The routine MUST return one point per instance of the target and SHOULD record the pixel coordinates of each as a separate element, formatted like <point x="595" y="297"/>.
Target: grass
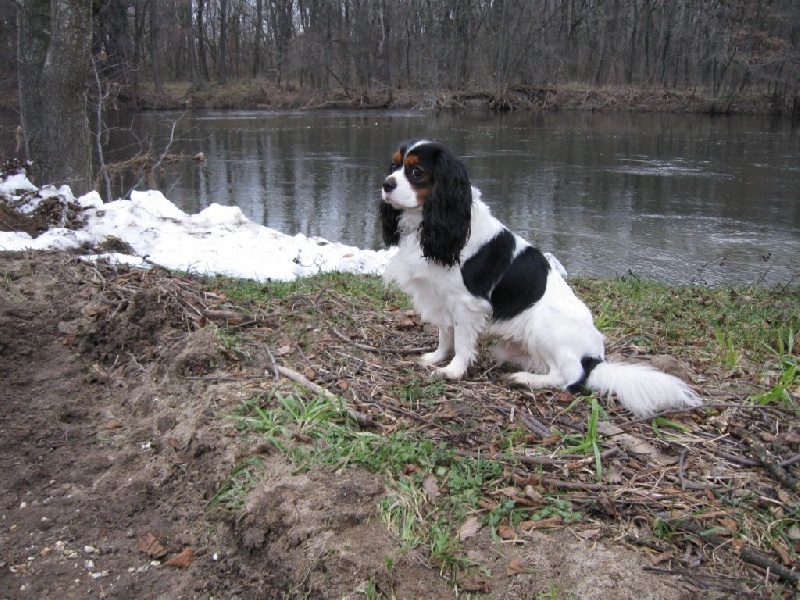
<point x="721" y="325"/>
<point x="408" y="462"/>
<point x="740" y="338"/>
<point x="590" y="441"/>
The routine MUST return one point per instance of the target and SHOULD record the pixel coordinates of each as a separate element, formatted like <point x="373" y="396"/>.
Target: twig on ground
<point x="774" y="468"/>
<point x="360" y="418"/>
<point x="368" y="348"/>
<point x="747" y="554"/>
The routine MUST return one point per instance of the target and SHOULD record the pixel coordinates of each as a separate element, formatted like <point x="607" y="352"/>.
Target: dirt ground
<point x="116" y="434"/>
<point x="103" y="462"/>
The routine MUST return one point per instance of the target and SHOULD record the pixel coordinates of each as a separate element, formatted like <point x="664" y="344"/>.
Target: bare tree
<point x="54" y="44"/>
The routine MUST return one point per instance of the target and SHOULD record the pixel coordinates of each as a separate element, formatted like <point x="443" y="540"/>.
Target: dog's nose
<point x="389" y="184"/>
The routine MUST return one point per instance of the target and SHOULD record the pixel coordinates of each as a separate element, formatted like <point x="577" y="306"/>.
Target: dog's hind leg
<point x="557" y="376"/>
<point x="538" y="382"/>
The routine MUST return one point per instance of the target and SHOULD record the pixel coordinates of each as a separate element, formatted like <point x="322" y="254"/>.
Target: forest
<point x="378" y="49"/>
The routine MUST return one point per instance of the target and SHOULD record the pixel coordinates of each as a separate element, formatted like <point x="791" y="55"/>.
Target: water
<point x="676" y="198"/>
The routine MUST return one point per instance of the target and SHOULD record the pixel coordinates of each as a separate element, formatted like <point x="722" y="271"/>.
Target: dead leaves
<point x="469" y="528"/>
<point x="148" y="544"/>
<point x="431" y="487"/>
<point x="182" y="560"/>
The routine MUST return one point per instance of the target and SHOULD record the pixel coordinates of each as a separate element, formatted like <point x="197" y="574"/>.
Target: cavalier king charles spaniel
<point x="468" y="274"/>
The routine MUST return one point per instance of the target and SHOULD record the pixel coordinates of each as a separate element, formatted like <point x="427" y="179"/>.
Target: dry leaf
<point x="781" y="550"/>
<point x="182" y="560"/>
<point x="633" y="444"/>
<point x="410" y="468"/>
<point x="506" y="533"/>
<point x="487" y="504"/>
<point x="406" y="324"/>
<point x="475" y="585"/>
<point x="541" y="523"/>
<point x="469" y="529"/>
<point x="534" y="495"/>
<point x="730" y="525"/>
<point x="515" y="567"/>
<point x="511" y="491"/>
<point x="794" y="533"/>
<point x="151" y="546"/>
<point x="431" y="487"/>
<point x="662" y="558"/>
<point x="590" y="534"/>
<point x="785" y="497"/>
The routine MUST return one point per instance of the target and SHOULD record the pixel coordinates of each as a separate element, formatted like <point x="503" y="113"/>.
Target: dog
<point x="469" y="275"/>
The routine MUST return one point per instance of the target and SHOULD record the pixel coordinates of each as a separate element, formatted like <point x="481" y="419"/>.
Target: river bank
<point x="267" y="95"/>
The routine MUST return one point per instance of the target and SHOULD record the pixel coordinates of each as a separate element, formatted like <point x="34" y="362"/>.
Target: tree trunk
<point x="194" y="75"/>
<point x="259" y="35"/>
<point x="53" y="50"/>
<point x="155" y="60"/>
<point x="222" y="52"/>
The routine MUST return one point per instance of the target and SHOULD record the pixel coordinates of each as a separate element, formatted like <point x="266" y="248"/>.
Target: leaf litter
<point x="712" y="500"/>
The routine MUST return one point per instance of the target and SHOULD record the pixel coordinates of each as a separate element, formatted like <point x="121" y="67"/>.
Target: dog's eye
<point x="393" y="167"/>
<point x="416" y="173"/>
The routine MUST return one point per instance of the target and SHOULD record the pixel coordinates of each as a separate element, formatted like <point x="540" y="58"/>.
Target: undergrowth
<point x="745" y="335"/>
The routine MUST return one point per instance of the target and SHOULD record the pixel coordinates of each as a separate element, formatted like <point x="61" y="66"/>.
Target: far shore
<point x="267" y="95"/>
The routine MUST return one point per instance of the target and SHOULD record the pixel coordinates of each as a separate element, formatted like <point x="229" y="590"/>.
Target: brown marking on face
<point x="412" y="160"/>
<point x="422" y="194"/>
<point x="397" y="158"/>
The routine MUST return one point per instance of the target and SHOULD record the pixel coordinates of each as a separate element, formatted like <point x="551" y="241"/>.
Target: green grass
<point x="405" y="459"/>
<point x="786" y="381"/>
<point x="590" y="442"/>
<point x="752" y="332"/>
<point x="233" y="492"/>
<point x="362" y="288"/>
<point x="722" y="324"/>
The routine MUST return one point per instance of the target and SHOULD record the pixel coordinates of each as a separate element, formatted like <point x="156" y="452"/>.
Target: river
<point x="676" y="198"/>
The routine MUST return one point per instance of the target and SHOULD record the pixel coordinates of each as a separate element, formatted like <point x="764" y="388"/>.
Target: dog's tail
<point x="640" y="388"/>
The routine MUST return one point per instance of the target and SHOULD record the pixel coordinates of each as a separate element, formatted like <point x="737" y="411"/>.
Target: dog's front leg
<point x="466" y="348"/>
<point x="443" y="351"/>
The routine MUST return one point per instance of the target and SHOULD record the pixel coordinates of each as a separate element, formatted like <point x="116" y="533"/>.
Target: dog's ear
<point x="446" y="212"/>
<point x="390" y="226"/>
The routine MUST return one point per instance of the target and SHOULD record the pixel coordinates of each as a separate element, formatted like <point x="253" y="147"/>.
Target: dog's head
<point x="425" y="176"/>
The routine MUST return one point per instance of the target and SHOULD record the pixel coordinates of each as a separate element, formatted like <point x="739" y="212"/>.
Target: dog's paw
<point x="432" y="358"/>
<point x="455" y="370"/>
<point x="448" y="373"/>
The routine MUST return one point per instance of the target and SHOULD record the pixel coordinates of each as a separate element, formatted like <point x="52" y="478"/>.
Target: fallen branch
<point x="369" y="348"/>
<point x="747" y="554"/>
<point x="774" y="468"/>
<point x="360" y="418"/>
<point x="415" y="416"/>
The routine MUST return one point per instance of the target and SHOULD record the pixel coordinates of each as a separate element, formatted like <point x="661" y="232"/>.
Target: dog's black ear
<point x="390" y="226"/>
<point x="446" y="212"/>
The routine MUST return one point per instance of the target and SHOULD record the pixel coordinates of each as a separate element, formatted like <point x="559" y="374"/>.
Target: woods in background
<point x="377" y="47"/>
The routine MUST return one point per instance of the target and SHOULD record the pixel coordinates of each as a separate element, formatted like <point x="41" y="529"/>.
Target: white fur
<point x="548" y="340"/>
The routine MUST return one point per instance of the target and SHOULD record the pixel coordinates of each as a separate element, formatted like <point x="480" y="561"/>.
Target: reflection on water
<point x="672" y="197"/>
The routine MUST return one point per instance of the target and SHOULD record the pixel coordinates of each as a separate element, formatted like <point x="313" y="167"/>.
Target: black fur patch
<point x="588" y="363"/>
<point x="447" y="210"/>
<point x="511" y="284"/>
<point x="390" y="228"/>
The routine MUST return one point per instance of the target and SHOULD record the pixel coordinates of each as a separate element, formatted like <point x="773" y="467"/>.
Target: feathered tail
<point x="642" y="389"/>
